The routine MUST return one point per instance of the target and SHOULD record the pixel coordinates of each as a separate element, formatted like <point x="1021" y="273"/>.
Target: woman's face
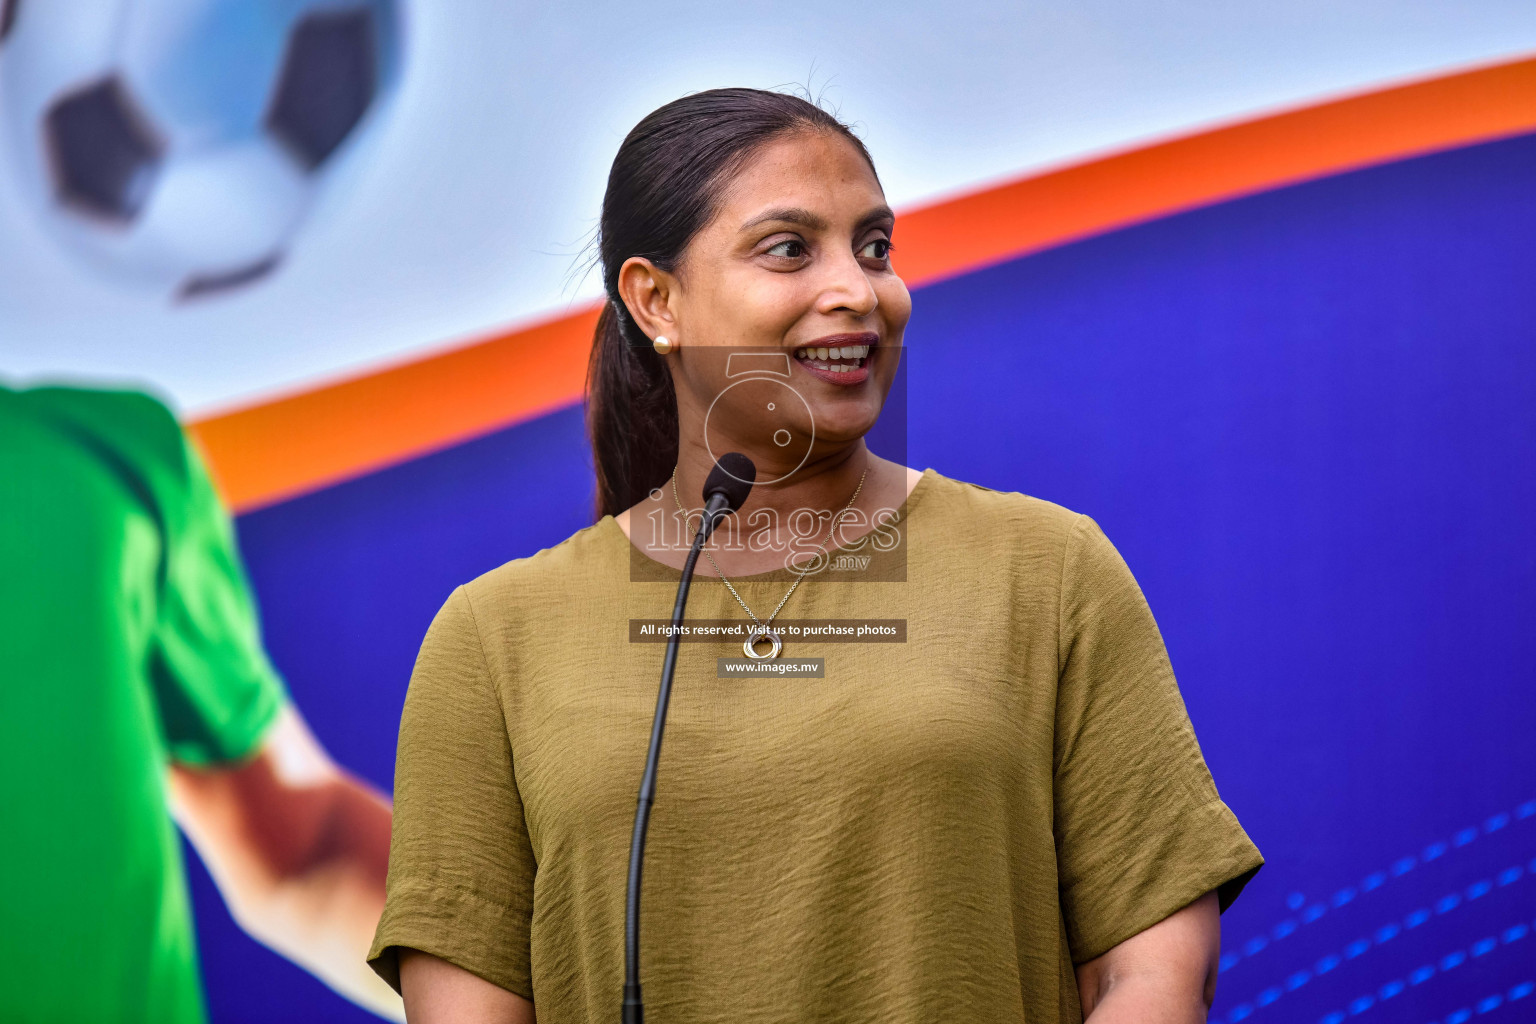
<point x="787" y="314"/>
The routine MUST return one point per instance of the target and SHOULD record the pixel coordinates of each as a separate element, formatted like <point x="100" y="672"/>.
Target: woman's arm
<point x="437" y="992"/>
<point x="1164" y="975"/>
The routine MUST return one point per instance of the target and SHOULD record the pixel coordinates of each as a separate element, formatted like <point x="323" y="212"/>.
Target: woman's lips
<point x="845" y="363"/>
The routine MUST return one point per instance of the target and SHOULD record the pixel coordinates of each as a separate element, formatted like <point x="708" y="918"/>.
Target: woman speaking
<point x="1003" y="816"/>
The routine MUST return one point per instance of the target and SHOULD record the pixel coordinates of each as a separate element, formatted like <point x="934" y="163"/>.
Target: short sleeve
<point x="1140" y="830"/>
<point x="216" y="691"/>
<point x="461" y="867"/>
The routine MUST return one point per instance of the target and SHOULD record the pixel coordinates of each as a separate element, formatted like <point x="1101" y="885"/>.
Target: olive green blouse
<point x="936" y="829"/>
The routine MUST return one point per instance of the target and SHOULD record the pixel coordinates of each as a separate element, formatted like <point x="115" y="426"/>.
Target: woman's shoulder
<point x="954" y="501"/>
<point x="587" y="558"/>
<point x="956" y="526"/>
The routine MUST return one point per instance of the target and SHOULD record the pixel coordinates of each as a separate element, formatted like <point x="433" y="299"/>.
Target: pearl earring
<point x="662" y="344"/>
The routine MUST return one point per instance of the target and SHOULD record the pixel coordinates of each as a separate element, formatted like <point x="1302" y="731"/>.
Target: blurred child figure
<point x="134" y="688"/>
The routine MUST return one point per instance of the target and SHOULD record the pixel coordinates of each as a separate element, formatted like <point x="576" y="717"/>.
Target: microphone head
<point x="733" y="477"/>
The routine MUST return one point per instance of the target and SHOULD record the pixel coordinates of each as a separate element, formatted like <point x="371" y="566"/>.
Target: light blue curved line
<point x="1416" y="977"/>
<point x="1365" y="1002"/>
<point x="1230" y="958"/>
<point x="1362" y="945"/>
<point x="1490" y="1002"/>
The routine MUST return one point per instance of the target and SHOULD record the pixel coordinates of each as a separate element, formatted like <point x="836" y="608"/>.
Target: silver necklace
<point x="762" y="632"/>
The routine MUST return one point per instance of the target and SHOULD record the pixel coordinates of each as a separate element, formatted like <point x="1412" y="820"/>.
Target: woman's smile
<point x="841" y="359"/>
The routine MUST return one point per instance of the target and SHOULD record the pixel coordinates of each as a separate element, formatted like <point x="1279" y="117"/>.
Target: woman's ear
<point x="649" y="293"/>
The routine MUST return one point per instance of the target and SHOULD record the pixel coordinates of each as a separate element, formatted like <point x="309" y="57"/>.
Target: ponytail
<point x="631" y="416"/>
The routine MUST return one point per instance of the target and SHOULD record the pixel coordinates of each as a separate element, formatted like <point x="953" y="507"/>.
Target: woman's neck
<point x="789" y="512"/>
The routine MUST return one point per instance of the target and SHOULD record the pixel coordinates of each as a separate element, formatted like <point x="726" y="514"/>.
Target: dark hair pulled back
<point x="665" y="185"/>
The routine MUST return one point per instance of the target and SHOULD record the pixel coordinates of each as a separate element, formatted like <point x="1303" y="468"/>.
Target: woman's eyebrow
<point x="789" y="215"/>
<point x="805" y="218"/>
<point x="879" y="213"/>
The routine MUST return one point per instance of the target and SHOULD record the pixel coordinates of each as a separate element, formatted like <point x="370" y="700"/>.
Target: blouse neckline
<point x="610" y="525"/>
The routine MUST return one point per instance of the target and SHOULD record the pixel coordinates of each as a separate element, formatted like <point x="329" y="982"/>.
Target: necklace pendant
<point x="756" y="637"/>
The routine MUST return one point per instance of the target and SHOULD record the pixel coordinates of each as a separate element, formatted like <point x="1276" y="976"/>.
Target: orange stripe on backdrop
<point x="282" y="448"/>
<point x="286" y="447"/>
<point x="1024" y="216"/>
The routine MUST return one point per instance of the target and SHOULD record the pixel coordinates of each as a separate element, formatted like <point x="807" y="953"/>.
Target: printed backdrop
<point x="1250" y="286"/>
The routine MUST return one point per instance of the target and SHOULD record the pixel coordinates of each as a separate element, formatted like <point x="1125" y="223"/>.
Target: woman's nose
<point x="848" y="288"/>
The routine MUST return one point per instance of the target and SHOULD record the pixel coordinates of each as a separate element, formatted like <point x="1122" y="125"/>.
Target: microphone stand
<point x="634" y="1007"/>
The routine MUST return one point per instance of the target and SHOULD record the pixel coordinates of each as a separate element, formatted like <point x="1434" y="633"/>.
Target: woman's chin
<point x="841" y="424"/>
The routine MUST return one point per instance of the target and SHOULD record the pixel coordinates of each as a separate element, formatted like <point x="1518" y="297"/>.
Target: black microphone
<point x="730" y="482"/>
<point x="725" y="491"/>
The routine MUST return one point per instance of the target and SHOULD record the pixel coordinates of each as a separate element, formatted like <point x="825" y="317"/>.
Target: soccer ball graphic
<point x="180" y="143"/>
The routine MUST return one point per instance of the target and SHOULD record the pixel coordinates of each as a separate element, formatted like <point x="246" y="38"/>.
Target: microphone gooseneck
<point x="725" y="491"/>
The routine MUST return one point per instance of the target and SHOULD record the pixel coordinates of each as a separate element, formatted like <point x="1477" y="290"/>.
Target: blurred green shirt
<point x="128" y="639"/>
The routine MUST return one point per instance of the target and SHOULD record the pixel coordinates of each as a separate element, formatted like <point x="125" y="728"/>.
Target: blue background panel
<point x="1308" y="421"/>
